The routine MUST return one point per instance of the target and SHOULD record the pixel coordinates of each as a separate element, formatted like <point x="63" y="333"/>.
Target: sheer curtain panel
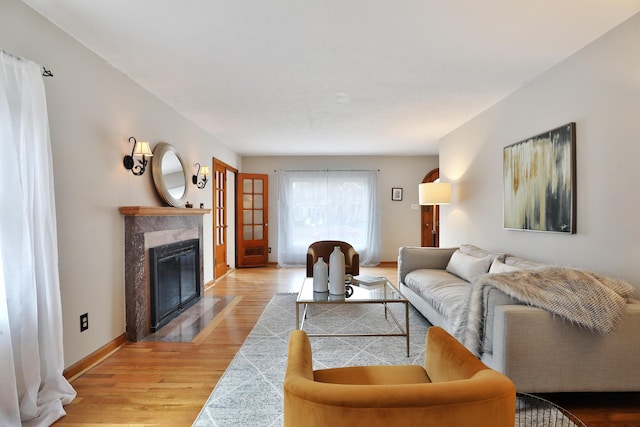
<point x="327" y="205"/>
<point x="32" y="390"/>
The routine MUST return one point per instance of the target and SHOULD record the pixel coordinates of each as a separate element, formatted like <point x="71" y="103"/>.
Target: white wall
<point x="599" y="89"/>
<point x="400" y="224"/>
<point x="93" y="110"/>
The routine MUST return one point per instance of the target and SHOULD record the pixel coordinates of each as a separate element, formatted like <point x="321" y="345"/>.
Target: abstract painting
<point x="540" y="182"/>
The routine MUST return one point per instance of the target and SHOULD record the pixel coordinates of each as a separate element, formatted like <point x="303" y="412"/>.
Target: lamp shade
<point x="434" y="193"/>
<point x="142" y="149"/>
<point x="205" y="171"/>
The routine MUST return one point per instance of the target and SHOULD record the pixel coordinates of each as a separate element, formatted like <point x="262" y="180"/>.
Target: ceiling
<point x="333" y="77"/>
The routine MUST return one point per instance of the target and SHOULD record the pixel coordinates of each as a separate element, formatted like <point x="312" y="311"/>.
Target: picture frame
<point x="396" y="194"/>
<point x="539" y="177"/>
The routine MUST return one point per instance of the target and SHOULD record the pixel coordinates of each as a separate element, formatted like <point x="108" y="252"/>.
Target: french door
<point x="252" y="220"/>
<point x="220" y="211"/>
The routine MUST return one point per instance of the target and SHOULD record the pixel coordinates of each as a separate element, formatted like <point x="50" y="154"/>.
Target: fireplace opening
<point x="175" y="280"/>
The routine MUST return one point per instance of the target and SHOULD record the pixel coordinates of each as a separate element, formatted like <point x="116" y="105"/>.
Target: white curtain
<point x="327" y="205"/>
<point x="32" y="388"/>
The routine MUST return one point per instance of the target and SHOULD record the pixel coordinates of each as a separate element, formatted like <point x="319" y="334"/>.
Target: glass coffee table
<point x="383" y="294"/>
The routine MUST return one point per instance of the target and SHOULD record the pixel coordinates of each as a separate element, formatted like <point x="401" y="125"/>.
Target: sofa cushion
<point x="444" y="291"/>
<point x="468" y="267"/>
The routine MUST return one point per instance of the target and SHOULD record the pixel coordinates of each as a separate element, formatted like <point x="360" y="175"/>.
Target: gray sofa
<point x="540" y="352"/>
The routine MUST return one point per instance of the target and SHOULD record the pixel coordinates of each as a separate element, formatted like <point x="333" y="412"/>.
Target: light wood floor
<point x="166" y="384"/>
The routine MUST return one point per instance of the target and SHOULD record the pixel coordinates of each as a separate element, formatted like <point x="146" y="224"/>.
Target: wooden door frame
<point x="228" y="168"/>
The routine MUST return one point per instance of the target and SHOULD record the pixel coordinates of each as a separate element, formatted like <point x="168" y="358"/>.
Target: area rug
<point x="250" y="393"/>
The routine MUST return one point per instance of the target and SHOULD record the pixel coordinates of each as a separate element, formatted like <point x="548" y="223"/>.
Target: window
<point x="327" y="205"/>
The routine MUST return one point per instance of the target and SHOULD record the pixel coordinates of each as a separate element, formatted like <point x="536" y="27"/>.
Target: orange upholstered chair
<point x="323" y="248"/>
<point x="453" y="389"/>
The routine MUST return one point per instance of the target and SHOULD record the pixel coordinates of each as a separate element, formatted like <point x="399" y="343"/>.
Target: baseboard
<point x="388" y="264"/>
<point x="83" y="365"/>
<point x="210" y="283"/>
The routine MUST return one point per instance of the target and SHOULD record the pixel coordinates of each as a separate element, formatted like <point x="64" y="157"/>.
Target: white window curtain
<point x="327" y="205"/>
<point x="32" y="388"/>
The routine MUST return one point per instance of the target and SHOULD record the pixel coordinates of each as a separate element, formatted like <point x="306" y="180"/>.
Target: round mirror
<point x="169" y="174"/>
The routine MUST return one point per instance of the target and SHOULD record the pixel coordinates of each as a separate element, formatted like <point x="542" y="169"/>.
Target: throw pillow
<point x="468" y="267"/>
<point x="498" y="266"/>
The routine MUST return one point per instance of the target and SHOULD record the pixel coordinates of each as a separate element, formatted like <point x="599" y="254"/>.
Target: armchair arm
<point x="446" y="359"/>
<point x="299" y="362"/>
<point x="311" y="259"/>
<point x="485" y="400"/>
<point x="352" y="258"/>
<point x="485" y="385"/>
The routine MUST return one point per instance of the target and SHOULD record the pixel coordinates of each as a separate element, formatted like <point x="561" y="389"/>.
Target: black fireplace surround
<point x="174" y="280"/>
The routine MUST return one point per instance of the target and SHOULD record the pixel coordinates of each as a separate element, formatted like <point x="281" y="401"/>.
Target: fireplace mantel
<point x="146" y="227"/>
<point x="160" y="211"/>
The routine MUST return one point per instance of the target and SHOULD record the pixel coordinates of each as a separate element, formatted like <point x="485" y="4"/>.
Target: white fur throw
<point x="592" y="301"/>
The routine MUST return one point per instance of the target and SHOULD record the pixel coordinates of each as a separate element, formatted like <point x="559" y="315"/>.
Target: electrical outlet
<point x="84" y="322"/>
<point x="269" y="249"/>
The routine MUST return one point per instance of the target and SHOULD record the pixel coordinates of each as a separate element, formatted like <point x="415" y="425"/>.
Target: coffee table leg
<point x="299" y="322"/>
<point x="406" y="324"/>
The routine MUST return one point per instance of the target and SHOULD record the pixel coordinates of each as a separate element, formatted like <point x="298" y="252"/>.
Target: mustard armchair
<point x="323" y="248"/>
<point x="453" y="389"/>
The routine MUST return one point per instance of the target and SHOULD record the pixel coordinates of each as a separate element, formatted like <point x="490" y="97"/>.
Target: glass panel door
<point x="253" y="245"/>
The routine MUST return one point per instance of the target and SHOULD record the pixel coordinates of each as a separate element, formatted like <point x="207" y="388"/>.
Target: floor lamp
<point x="434" y="193"/>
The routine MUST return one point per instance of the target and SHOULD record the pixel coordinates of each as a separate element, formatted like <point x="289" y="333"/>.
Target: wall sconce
<point x="204" y="170"/>
<point x="142" y="151"/>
